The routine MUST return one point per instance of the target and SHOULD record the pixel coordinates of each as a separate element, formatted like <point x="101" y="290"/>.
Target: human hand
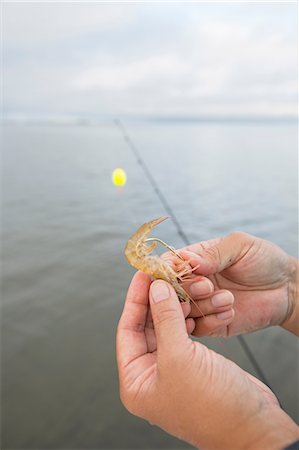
<point x="253" y="281"/>
<point x="184" y="387"/>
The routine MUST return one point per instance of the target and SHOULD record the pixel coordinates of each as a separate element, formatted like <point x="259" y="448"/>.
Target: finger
<point x="131" y="341"/>
<point x="216" y="255"/>
<point x="168" y="317"/>
<point x="151" y="340"/>
<point x="221" y="301"/>
<point x="190" y="325"/>
<point x="214" y="324"/>
<point x="199" y="246"/>
<point x="168" y="256"/>
<point x="199" y="287"/>
<point x="149" y="327"/>
<point x="176" y="262"/>
<point x="193" y="248"/>
<point x="151" y="337"/>
<point x="186" y="308"/>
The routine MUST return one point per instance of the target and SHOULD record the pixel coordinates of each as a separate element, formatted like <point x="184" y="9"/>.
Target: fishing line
<point x="180" y="231"/>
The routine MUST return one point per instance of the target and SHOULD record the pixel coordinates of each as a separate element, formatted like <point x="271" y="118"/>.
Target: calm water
<point x="65" y="277"/>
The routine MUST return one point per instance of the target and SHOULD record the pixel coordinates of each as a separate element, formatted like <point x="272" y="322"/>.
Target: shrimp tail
<point x="136" y="242"/>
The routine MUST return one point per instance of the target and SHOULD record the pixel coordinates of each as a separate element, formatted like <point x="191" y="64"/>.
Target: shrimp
<point x="137" y="252"/>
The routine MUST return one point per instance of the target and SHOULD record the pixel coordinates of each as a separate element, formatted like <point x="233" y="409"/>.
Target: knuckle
<point x="165" y="316"/>
<point x="204" y="245"/>
<point x="213" y="253"/>
<point x="239" y="236"/>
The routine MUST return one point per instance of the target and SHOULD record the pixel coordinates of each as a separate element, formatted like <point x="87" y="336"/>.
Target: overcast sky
<point x="165" y="59"/>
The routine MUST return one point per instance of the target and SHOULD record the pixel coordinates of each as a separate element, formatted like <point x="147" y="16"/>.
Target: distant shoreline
<point x="100" y="120"/>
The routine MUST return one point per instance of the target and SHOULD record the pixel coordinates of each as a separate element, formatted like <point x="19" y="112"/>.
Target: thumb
<point x="168" y="317"/>
<point x="218" y="254"/>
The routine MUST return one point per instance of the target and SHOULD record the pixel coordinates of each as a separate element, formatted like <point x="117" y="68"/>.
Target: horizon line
<point x="94" y="119"/>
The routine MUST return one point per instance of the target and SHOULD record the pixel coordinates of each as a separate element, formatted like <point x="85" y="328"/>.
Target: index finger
<point x="198" y="247"/>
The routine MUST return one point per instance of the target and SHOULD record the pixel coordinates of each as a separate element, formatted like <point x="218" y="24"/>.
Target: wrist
<point x="277" y="433"/>
<point x="270" y="431"/>
<point x="291" y="322"/>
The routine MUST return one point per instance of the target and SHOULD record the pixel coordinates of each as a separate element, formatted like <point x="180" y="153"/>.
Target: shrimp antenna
<point x="172" y="249"/>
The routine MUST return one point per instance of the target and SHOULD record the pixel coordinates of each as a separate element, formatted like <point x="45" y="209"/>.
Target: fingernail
<point x="222" y="299"/>
<point x="159" y="291"/>
<point x="201" y="288"/>
<point x="225" y="315"/>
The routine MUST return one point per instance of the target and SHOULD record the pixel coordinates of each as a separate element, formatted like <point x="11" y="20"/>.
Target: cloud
<point x="35" y="24"/>
<point x="151" y="59"/>
<point x="142" y="73"/>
